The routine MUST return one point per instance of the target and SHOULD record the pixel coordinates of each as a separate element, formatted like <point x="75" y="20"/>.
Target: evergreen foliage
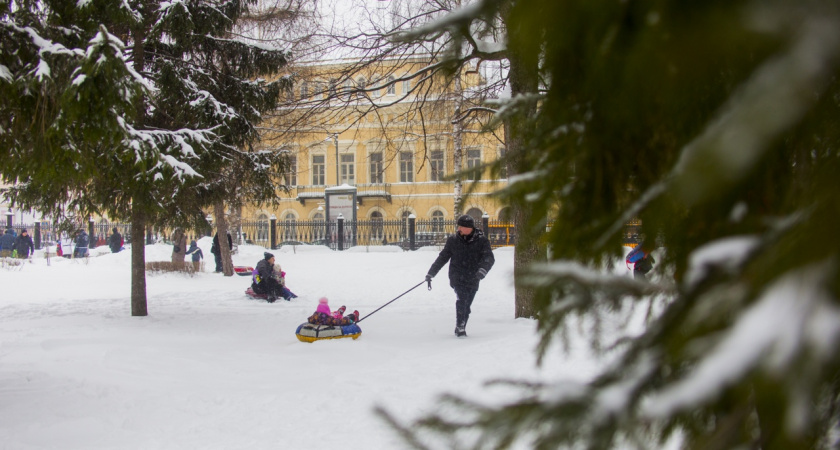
<point x="141" y="110"/>
<point x="715" y="124"/>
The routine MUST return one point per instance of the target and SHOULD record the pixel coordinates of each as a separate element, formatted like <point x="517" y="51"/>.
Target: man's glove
<point x="481" y="274"/>
<point x="428" y="278"/>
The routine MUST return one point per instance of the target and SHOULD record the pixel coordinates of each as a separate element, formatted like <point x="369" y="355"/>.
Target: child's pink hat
<point x="323" y="300"/>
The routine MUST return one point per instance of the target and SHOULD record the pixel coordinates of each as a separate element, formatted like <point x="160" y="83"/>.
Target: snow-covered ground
<point x="209" y="368"/>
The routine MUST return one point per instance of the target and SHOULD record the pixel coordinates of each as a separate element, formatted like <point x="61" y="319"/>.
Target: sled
<point x="309" y="332"/>
<point x="243" y="271"/>
<point x="250" y="293"/>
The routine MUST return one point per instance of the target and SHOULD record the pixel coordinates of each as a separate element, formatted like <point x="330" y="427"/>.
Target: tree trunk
<point x="457" y="144"/>
<point x="138" y="262"/>
<point x="523" y="79"/>
<point x="138" y="217"/>
<point x="222" y="229"/>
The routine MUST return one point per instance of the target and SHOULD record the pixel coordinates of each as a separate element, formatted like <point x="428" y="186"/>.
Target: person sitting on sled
<point x="280" y="276"/>
<point x="264" y="281"/>
<point x="323" y="315"/>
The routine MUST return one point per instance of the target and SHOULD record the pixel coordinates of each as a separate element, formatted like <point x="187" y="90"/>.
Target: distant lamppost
<point x="334" y="137"/>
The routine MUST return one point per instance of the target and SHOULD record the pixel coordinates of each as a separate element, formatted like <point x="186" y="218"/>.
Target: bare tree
<point x="455" y="72"/>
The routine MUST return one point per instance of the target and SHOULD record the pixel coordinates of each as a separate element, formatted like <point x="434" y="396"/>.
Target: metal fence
<point x="407" y="234"/>
<point x="46" y="233"/>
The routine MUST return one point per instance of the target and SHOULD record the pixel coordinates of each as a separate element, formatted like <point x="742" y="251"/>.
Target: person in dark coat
<point x="197" y="255"/>
<point x="115" y="241"/>
<point x="24" y="245"/>
<point x="7" y="243"/>
<point x="643" y="266"/>
<point x="82" y="242"/>
<point x="214" y="249"/>
<point x="470" y="257"/>
<point x="264" y="281"/>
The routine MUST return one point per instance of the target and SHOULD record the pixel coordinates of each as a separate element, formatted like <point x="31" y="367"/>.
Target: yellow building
<point x="369" y="130"/>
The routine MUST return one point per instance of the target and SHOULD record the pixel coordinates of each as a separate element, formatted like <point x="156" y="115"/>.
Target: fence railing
<point x="407" y="234"/>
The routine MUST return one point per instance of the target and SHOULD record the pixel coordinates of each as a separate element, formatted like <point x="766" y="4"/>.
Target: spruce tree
<point x="715" y="124"/>
<point x="130" y="109"/>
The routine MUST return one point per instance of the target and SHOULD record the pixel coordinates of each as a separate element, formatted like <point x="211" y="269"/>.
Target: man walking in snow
<point x="24" y="245"/>
<point x="470" y="258"/>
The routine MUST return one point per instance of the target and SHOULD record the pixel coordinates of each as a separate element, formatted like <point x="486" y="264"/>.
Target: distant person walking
<point x="7" y="243"/>
<point x="196" y="254"/>
<point x="24" y="245"/>
<point x="115" y="241"/>
<point x="470" y="257"/>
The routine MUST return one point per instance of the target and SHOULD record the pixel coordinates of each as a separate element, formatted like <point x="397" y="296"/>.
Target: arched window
<point x="404" y="224"/>
<point x="289" y="229"/>
<point x="476" y="214"/>
<point x="377" y="231"/>
<point x="437" y="221"/>
<point x="391" y="89"/>
<point x="505" y="215"/>
<point x="262" y="228"/>
<point x="361" y="84"/>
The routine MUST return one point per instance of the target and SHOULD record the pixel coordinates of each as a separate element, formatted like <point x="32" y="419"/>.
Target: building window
<point x="406" y="167"/>
<point x="404" y="224"/>
<point x="376" y="168"/>
<point x="289" y="232"/>
<point x="406" y="87"/>
<point x="291" y="169"/>
<point x="473" y="161"/>
<point x="262" y="228"/>
<point x="318" y="170"/>
<point x="391" y="89"/>
<point x="436" y="165"/>
<point x="318" y="217"/>
<point x="377" y="231"/>
<point x="332" y="87"/>
<point x="348" y="173"/>
<point x="437" y="221"/>
<point x="361" y="84"/>
<point x="476" y="214"/>
<point x="503" y="174"/>
<point x="348" y="87"/>
<point x="304" y="90"/>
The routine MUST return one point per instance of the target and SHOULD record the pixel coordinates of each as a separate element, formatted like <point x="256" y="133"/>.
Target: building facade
<point x="395" y="141"/>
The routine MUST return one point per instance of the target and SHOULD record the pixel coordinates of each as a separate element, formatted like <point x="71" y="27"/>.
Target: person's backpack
<point x="635" y="255"/>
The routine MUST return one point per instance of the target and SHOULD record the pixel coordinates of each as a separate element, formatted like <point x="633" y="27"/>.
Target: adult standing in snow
<point x="115" y="241"/>
<point x="7" y="243"/>
<point x="82" y="242"/>
<point x="196" y="253"/>
<point x="264" y="281"/>
<point x="24" y="245"/>
<point x="470" y="257"/>
<point x="217" y="253"/>
<point x="179" y="246"/>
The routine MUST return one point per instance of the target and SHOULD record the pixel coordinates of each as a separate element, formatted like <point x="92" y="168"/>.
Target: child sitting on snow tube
<point x="323" y="316"/>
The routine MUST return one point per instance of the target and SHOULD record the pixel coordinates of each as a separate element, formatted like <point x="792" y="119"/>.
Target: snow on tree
<point x="130" y="109"/>
<point x="715" y="124"/>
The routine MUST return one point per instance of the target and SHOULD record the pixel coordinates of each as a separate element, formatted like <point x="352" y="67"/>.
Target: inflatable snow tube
<point x="308" y="332"/>
<point x="243" y="271"/>
<point x="250" y="293"/>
